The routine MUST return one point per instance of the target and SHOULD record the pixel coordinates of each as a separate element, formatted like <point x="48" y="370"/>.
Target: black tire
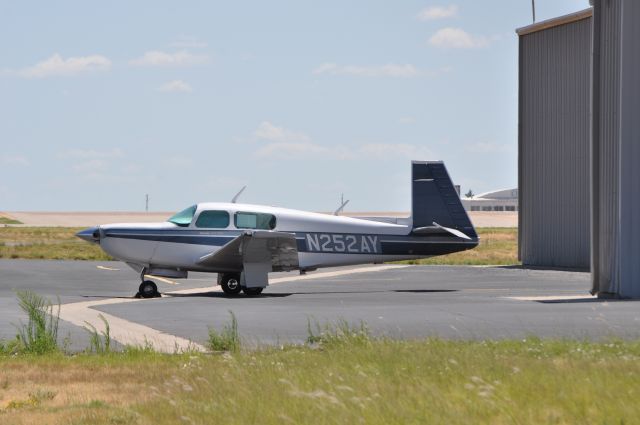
<point x="230" y="284"/>
<point x="252" y="292"/>
<point x="148" y="289"/>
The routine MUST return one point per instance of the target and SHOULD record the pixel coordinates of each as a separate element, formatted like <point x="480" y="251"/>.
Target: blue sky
<point x="103" y="102"/>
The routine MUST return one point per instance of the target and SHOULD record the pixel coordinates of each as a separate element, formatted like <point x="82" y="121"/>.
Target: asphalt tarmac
<point x="461" y="302"/>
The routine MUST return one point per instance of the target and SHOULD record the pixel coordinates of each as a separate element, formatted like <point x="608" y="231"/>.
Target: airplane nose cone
<point x="92" y="234"/>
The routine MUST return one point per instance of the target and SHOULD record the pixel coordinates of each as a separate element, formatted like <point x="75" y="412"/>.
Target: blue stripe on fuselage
<point x="388" y="245"/>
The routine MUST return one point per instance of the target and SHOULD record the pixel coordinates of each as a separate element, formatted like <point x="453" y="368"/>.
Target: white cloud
<point x="176" y="161"/>
<point x="273" y="133"/>
<point x="372" y="151"/>
<point x="175" y="86"/>
<point x="286" y="144"/>
<point x="98" y="166"/>
<point x="125" y="175"/>
<point x="188" y="42"/>
<point x="108" y="166"/>
<point x="398" y="150"/>
<point x="56" y="65"/>
<point x="91" y="166"/>
<point x="388" y="70"/>
<point x="457" y="38"/>
<point x="176" y="59"/>
<point x="17" y="160"/>
<point x="91" y="154"/>
<point x="438" y="12"/>
<point x="407" y="120"/>
<point x="293" y="150"/>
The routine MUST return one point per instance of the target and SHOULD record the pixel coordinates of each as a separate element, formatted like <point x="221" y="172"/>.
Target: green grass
<point x="381" y="382"/>
<point x="7" y="220"/>
<point x="342" y="375"/>
<point x="47" y="243"/>
<point x="498" y="246"/>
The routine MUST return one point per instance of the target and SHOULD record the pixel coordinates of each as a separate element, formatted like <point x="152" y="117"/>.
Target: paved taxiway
<point x="404" y="302"/>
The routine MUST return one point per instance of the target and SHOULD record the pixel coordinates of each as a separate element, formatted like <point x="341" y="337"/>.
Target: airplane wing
<point x="255" y="246"/>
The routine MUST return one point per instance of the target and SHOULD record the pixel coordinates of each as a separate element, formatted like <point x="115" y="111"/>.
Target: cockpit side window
<point x="213" y="219"/>
<point x="184" y="217"/>
<point x="249" y="220"/>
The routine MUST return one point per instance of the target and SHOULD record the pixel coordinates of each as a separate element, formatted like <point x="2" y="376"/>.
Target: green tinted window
<point x="184" y="217"/>
<point x="247" y="220"/>
<point x="213" y="219"/>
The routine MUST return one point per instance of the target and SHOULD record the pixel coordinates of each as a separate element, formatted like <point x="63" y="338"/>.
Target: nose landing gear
<point x="148" y="288"/>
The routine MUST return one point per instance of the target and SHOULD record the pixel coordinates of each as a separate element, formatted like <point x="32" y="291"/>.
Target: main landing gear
<point x="230" y="284"/>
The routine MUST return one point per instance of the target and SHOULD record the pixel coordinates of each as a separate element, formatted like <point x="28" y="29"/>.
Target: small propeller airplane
<point x="243" y="243"/>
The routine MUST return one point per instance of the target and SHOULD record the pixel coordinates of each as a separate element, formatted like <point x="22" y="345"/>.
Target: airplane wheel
<point x="252" y="291"/>
<point x="148" y="289"/>
<point x="231" y="284"/>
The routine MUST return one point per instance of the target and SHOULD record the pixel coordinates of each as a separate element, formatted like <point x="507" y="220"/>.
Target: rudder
<point x="434" y="199"/>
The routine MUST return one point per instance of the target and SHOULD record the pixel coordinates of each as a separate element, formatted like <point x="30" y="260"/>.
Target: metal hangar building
<point x="579" y="145"/>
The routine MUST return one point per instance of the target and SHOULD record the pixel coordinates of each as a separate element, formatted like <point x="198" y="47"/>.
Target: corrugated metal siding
<point x="616" y="171"/>
<point x="629" y="227"/>
<point x="554" y="133"/>
<point x="606" y="145"/>
<point x="616" y="149"/>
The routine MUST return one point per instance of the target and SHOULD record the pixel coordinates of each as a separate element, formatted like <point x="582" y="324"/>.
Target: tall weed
<point x="40" y="334"/>
<point x="227" y="339"/>
<point x="99" y="342"/>
<point x="339" y="333"/>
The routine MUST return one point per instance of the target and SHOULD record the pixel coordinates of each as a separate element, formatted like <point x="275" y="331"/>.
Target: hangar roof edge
<point x="555" y="22"/>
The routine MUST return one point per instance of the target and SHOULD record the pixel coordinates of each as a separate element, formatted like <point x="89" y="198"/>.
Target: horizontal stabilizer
<point x="438" y="229"/>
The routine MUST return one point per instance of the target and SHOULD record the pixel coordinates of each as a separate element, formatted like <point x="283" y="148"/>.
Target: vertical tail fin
<point x="434" y="199"/>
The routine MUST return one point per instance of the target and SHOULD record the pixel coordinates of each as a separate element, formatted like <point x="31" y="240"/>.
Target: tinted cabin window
<point x="213" y="219"/>
<point x="184" y="217"/>
<point x="248" y="220"/>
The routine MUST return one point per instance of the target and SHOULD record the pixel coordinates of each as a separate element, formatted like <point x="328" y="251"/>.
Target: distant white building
<point x="499" y="200"/>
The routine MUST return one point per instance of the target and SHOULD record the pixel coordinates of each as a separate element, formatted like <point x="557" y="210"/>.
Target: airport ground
<point x="440" y="344"/>
<point x="394" y="343"/>
<point x="399" y="301"/>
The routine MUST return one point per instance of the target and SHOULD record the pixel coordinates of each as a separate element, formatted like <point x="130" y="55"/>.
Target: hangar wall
<point x="615" y="180"/>
<point x="554" y="141"/>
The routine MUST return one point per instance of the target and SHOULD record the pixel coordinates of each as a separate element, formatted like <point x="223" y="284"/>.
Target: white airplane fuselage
<point x="331" y="240"/>
<point x="244" y="242"/>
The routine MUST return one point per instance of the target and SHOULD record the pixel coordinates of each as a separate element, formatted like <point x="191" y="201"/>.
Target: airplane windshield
<point x="184" y="217"/>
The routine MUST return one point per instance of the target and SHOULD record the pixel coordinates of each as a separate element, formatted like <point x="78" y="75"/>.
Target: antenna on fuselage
<point x="343" y="204"/>
<point x="235" y="198"/>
